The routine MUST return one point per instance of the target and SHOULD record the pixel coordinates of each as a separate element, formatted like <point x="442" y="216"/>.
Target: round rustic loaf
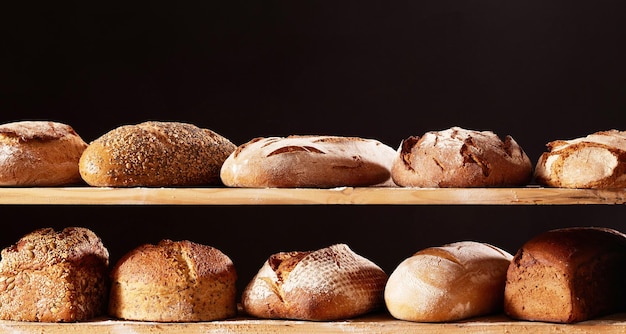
<point x="39" y="153"/>
<point x="328" y="284"/>
<point x="54" y="276"/>
<point x="155" y="154"/>
<point x="309" y="162"/>
<point x="173" y="281"/>
<point x="595" y="161"/>
<point x="458" y="157"/>
<point x="448" y="283"/>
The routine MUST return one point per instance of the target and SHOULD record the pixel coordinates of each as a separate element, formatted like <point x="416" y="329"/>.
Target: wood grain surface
<point x="344" y="195"/>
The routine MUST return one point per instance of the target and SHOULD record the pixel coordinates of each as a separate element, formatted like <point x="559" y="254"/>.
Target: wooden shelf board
<point x="378" y="323"/>
<point x="307" y="196"/>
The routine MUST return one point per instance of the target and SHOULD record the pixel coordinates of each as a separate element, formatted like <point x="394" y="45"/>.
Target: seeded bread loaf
<point x="568" y="275"/>
<point x="328" y="284"/>
<point x="54" y="276"/>
<point x="458" y="157"/>
<point x="39" y="153"/>
<point x="595" y="161"/>
<point x="309" y="161"/>
<point x="155" y="154"/>
<point x="448" y="283"/>
<point x="173" y="281"/>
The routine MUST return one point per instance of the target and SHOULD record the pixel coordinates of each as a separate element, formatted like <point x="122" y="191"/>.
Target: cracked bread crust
<point x="39" y="153"/>
<point x="309" y="161"/>
<point x="173" y="281"/>
<point x="54" y="276"/>
<point x="595" y="161"/>
<point x="567" y="275"/>
<point x="155" y="154"/>
<point x="458" y="157"/>
<point x="331" y="283"/>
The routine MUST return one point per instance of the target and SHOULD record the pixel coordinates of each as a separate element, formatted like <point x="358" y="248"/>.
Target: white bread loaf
<point x="447" y="283"/>
<point x="458" y="157"/>
<point x="39" y="153"/>
<point x="54" y="276"/>
<point x="309" y="161"/>
<point x="595" y="161"/>
<point x="328" y="284"/>
<point x="155" y="154"/>
<point x="173" y="281"/>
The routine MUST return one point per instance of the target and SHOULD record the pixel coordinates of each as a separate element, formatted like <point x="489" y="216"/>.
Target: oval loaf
<point x="309" y="161"/>
<point x="155" y="154"/>
<point x="448" y="283"/>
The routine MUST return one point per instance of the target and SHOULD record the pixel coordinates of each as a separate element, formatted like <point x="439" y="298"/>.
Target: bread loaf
<point x="39" y="153"/>
<point x="309" y="161"/>
<point x="567" y="275"/>
<point x="595" y="161"/>
<point x="173" y="281"/>
<point x="54" y="276"/>
<point x="328" y="284"/>
<point x="155" y="154"/>
<point x="448" y="283"/>
<point x="458" y="157"/>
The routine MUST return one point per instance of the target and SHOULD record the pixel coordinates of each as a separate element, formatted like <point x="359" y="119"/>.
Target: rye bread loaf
<point x="448" y="283"/>
<point x="595" y="161"/>
<point x="309" y="162"/>
<point x="568" y="275"/>
<point x="39" y="153"/>
<point x="458" y="157"/>
<point x="54" y="276"/>
<point x="173" y="281"/>
<point x="331" y="283"/>
<point x="155" y="154"/>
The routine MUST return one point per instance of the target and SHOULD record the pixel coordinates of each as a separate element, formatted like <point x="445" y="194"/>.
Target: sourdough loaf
<point x="328" y="284"/>
<point x="39" y="153"/>
<point x="458" y="157"/>
<point x="54" y="276"/>
<point x="568" y="275"/>
<point x="595" y="161"/>
<point x="155" y="154"/>
<point x="448" y="283"/>
<point x="309" y="161"/>
<point x="173" y="281"/>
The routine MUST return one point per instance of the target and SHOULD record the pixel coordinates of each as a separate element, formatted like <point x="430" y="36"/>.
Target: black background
<point x="536" y="70"/>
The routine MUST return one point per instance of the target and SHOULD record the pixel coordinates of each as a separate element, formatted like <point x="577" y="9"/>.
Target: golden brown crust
<point x="458" y="157"/>
<point x="595" y="161"/>
<point x="328" y="284"/>
<point x="155" y="154"/>
<point x="309" y="161"/>
<point x="448" y="283"/>
<point x="54" y="276"/>
<point x="567" y="275"/>
<point x="39" y="153"/>
<point x="173" y="282"/>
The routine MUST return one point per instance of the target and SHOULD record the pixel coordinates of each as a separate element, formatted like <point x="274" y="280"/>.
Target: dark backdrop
<point x="536" y="70"/>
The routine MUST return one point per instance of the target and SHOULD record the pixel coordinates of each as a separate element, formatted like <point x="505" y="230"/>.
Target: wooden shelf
<point x="378" y="323"/>
<point x="336" y="196"/>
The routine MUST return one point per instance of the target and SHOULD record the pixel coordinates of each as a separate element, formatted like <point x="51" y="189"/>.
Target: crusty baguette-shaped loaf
<point x="568" y="275"/>
<point x="331" y="283"/>
<point x="39" y="153"/>
<point x="155" y="154"/>
<point x="458" y="157"/>
<point x="54" y="276"/>
<point x="309" y="162"/>
<point x="173" y="281"/>
<point x="595" y="161"/>
<point x="448" y="283"/>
